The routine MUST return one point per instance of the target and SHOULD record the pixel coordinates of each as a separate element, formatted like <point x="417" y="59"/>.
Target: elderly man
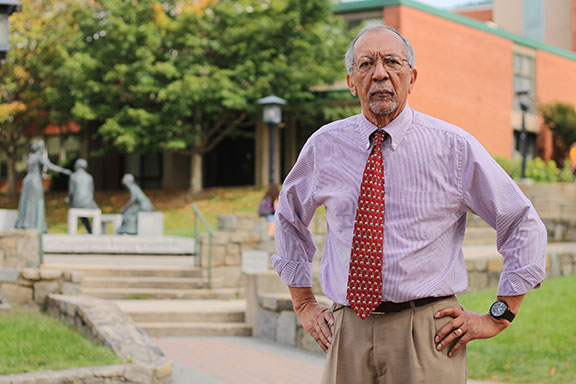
<point x="397" y="186"/>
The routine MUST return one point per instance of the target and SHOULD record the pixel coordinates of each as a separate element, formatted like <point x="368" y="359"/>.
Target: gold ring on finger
<point x="460" y="331"/>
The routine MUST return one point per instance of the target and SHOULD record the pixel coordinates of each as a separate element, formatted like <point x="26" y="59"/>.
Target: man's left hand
<point x="465" y="327"/>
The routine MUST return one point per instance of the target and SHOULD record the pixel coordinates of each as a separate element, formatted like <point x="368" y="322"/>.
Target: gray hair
<point x="349" y="56"/>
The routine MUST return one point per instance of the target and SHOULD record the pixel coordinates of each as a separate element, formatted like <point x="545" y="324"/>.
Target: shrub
<point x="538" y="170"/>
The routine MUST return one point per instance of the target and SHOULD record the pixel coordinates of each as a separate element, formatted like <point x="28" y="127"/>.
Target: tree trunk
<point x="196" y="185"/>
<point x="11" y="174"/>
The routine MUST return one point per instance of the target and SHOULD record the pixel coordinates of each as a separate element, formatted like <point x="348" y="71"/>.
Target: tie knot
<point x="379" y="137"/>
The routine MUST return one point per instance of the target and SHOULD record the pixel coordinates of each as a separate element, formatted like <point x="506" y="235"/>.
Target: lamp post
<point x="7" y="8"/>
<point x="524" y="101"/>
<point x="272" y="116"/>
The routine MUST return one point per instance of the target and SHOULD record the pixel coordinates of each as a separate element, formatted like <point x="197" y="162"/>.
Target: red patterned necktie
<point x="365" y="276"/>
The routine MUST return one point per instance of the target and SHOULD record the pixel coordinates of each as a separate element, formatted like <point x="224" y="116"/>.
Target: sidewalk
<point x="241" y="360"/>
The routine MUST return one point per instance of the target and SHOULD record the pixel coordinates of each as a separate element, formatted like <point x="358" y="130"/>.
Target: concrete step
<point x="163" y="294"/>
<point x="144" y="282"/>
<point x="184" y="311"/>
<point x="480" y="235"/>
<point x="196" y="329"/>
<point x="131" y="270"/>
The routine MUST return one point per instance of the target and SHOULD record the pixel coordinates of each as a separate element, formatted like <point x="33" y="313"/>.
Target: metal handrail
<point x="199" y="215"/>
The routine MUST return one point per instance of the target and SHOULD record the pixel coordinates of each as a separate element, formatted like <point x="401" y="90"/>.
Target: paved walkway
<point x="242" y="360"/>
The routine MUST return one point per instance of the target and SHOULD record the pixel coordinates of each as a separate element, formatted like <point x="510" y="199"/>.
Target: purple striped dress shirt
<point x="434" y="174"/>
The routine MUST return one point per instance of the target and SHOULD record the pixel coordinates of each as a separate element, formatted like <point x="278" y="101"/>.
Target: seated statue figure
<point x="81" y="190"/>
<point x="138" y="203"/>
<point x="31" y="209"/>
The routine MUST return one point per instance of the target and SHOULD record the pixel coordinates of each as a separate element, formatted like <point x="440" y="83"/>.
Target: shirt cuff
<point x="519" y="282"/>
<point x="293" y="273"/>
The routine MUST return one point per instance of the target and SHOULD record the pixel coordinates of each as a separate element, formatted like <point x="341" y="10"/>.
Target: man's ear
<point x="351" y="85"/>
<point x="413" y="77"/>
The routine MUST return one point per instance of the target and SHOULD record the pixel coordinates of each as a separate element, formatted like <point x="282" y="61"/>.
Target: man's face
<point x="383" y="93"/>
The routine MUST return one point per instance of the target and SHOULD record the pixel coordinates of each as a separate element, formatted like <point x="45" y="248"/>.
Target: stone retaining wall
<point x="31" y="286"/>
<point x="19" y="249"/>
<point x="275" y="319"/>
<point x="105" y="323"/>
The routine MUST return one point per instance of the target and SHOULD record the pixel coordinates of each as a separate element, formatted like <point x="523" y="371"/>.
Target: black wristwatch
<point x="500" y="310"/>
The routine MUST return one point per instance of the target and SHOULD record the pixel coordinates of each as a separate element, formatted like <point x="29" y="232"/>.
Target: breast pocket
<point x="418" y="215"/>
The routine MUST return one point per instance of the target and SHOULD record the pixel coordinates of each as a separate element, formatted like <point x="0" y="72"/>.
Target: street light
<point x="272" y="116"/>
<point x="7" y="7"/>
<point x="524" y="101"/>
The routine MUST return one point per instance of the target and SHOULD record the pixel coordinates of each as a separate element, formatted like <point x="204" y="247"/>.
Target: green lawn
<point x="539" y="346"/>
<point x="32" y="341"/>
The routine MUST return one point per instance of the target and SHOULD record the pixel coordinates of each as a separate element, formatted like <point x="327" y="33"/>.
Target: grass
<point x="539" y="346"/>
<point x="31" y="341"/>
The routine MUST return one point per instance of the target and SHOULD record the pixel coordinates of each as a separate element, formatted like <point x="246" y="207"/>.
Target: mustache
<point x="375" y="90"/>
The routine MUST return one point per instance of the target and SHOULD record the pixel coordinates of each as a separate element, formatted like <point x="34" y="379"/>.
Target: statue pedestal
<point x="75" y="213"/>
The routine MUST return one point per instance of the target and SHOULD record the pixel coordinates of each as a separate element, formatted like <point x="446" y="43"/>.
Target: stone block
<point x="470" y="267"/>
<point x="50" y="274"/>
<point x="286" y="328"/>
<point x="218" y="255"/>
<point x="220" y="238"/>
<point x="14" y="294"/>
<point x="150" y="223"/>
<point x="9" y="275"/>
<point x="267" y="324"/>
<point x="68" y="288"/>
<point x="481" y="265"/>
<point x="477" y="280"/>
<point x="276" y="302"/>
<point x="42" y="289"/>
<point x="493" y="279"/>
<point x="139" y="373"/>
<point x="554" y="270"/>
<point x="227" y="223"/>
<point x="566" y="266"/>
<point x="76" y="277"/>
<point x="306" y="342"/>
<point x="495" y="265"/>
<point x="31" y="274"/>
<point x="163" y="369"/>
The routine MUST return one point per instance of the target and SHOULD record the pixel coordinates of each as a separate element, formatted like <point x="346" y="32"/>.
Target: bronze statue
<point x="31" y="208"/>
<point x="138" y="203"/>
<point x="81" y="190"/>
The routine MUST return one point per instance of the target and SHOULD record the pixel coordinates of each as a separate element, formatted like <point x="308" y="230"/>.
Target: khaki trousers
<point x="393" y="348"/>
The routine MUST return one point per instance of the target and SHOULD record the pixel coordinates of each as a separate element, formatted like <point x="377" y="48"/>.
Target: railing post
<point x="198" y="215"/>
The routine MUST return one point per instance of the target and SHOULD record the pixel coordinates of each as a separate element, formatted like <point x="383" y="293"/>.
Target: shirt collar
<point x="395" y="129"/>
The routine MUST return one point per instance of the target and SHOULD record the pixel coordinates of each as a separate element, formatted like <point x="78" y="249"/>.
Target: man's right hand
<point x="315" y="318"/>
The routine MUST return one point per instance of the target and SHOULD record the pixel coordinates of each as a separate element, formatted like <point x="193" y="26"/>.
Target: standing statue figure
<point x="31" y="209"/>
<point x="138" y="203"/>
<point x="81" y="190"/>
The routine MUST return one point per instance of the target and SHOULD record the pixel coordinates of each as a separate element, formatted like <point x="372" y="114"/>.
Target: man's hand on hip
<point x="315" y="318"/>
<point x="465" y="327"/>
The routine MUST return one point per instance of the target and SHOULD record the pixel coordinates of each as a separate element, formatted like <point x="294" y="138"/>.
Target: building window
<point x="524" y="78"/>
<point x="533" y="20"/>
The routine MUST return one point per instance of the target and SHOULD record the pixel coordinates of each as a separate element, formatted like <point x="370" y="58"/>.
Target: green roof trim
<point x="368" y="5"/>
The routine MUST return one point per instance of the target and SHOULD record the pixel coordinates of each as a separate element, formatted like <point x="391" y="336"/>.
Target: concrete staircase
<point x="188" y="317"/>
<point x="165" y="295"/>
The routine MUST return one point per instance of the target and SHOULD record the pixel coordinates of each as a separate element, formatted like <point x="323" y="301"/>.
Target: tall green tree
<point x="183" y="75"/>
<point x="36" y="36"/>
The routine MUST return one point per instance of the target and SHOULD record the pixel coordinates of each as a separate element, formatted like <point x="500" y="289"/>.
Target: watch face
<point x="498" y="308"/>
